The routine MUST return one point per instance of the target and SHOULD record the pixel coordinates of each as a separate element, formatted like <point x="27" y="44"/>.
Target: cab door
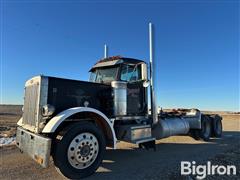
<point x="136" y="93"/>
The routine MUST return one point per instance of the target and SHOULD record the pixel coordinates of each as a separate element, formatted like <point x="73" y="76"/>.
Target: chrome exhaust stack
<point x="153" y="91"/>
<point x="161" y="127"/>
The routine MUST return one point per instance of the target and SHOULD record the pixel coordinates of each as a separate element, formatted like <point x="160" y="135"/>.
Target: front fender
<point x="19" y="123"/>
<point x="54" y="123"/>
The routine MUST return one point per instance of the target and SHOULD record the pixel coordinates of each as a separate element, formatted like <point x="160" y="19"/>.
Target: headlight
<point x="48" y="110"/>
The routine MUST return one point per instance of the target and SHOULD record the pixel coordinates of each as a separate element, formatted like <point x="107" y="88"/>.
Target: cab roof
<point x="114" y="60"/>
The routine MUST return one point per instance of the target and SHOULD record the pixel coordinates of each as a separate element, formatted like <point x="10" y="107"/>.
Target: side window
<point x="93" y="76"/>
<point x="130" y="73"/>
<point x="126" y="72"/>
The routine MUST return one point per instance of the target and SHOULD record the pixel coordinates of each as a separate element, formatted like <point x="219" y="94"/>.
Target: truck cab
<point x="118" y="68"/>
<point x="126" y="76"/>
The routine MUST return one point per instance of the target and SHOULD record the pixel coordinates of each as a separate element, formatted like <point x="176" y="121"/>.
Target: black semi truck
<point x="74" y="121"/>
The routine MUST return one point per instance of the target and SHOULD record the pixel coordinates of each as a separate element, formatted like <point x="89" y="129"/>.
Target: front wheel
<point x="79" y="152"/>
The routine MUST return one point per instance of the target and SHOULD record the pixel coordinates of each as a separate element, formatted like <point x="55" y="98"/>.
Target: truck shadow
<point x="140" y="163"/>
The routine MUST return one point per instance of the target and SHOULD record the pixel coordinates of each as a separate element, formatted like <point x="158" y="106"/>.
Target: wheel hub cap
<point x="83" y="150"/>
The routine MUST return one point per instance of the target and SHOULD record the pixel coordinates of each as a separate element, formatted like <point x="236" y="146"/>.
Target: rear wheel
<point x="217" y="127"/>
<point x="80" y="150"/>
<point x="205" y="132"/>
<point x="195" y="134"/>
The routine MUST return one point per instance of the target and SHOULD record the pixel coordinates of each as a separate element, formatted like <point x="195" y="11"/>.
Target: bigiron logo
<point x="201" y="171"/>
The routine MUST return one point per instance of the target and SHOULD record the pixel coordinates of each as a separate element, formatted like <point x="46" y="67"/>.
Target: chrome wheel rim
<point x="83" y="150"/>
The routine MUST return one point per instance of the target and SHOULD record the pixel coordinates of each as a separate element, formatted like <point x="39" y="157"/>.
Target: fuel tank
<point x="169" y="127"/>
<point x="119" y="98"/>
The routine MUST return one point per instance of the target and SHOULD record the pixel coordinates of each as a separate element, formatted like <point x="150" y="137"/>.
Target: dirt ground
<point x="9" y="115"/>
<point x="129" y="162"/>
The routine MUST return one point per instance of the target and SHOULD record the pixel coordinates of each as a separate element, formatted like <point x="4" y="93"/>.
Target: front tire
<point x="79" y="152"/>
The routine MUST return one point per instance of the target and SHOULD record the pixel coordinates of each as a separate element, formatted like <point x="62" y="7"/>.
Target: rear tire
<point x="217" y="126"/>
<point x="195" y="134"/>
<point x="205" y="132"/>
<point x="79" y="152"/>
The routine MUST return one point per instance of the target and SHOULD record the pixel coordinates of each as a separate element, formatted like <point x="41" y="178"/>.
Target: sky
<point x="196" y="45"/>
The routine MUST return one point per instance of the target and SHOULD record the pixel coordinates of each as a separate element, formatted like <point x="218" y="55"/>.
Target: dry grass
<point x="9" y="115"/>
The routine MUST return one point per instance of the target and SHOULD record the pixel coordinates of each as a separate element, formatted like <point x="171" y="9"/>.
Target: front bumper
<point x="36" y="146"/>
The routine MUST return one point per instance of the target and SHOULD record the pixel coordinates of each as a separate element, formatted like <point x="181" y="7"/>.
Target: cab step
<point x="134" y="133"/>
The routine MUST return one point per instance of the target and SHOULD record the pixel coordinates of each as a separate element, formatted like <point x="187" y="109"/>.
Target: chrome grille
<point x="31" y="103"/>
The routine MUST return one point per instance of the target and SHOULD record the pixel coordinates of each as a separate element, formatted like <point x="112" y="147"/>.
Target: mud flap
<point x="148" y="145"/>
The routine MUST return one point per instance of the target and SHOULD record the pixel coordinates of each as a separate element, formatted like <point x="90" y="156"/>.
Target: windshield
<point x="104" y="75"/>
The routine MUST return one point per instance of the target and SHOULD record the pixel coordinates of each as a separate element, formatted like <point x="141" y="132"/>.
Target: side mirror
<point x="146" y="83"/>
<point x="144" y="71"/>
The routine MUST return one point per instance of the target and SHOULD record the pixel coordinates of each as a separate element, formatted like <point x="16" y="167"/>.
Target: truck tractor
<point x="75" y="121"/>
